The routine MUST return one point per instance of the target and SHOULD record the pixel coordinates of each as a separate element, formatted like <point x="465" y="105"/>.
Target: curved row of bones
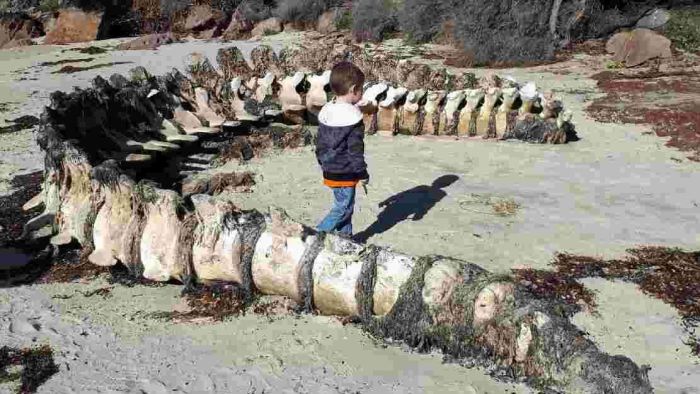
<point x="149" y="230"/>
<point x="160" y="235"/>
<point x="490" y="111"/>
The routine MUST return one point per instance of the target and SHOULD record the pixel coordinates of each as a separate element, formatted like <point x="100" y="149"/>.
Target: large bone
<point x="291" y="100"/>
<point x="528" y="95"/>
<point x="369" y="105"/>
<point x="190" y="123"/>
<point x="204" y="111"/>
<point x="264" y="86"/>
<point x="110" y="224"/>
<point x="172" y="133"/>
<point x="278" y="260"/>
<point x="388" y="112"/>
<point x="317" y="96"/>
<point x="486" y="123"/>
<point x="237" y="103"/>
<point x="77" y="204"/>
<point x="551" y="106"/>
<point x="393" y="270"/>
<point x="159" y="244"/>
<point x="468" y="115"/>
<point x="412" y="116"/>
<point x="433" y="111"/>
<point x="450" y="115"/>
<point x="336" y="271"/>
<point x="505" y="120"/>
<point x="217" y="246"/>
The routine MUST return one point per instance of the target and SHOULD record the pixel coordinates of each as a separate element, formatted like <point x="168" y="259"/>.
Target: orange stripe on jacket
<point x="332" y="183"/>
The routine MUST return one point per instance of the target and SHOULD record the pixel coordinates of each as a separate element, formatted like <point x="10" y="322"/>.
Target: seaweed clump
<point x="35" y="366"/>
<point x="669" y="274"/>
<point x="210" y="302"/>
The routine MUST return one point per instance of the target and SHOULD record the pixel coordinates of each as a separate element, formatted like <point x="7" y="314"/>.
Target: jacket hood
<point x="339" y="115"/>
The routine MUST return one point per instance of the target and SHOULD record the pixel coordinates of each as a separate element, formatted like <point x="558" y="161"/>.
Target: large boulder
<point x="638" y="46"/>
<point x="239" y="28"/>
<point x="18" y="30"/>
<point x="205" y="22"/>
<point x="151" y="41"/>
<point x="326" y="23"/>
<point x="268" y="26"/>
<point x="655" y="19"/>
<point x="74" y="25"/>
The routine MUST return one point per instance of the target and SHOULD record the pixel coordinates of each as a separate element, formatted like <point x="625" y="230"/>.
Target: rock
<point x="638" y="46"/>
<point x="268" y="26"/>
<point x="74" y="25"/>
<point x="239" y="28"/>
<point x="654" y="20"/>
<point x="151" y="41"/>
<point x="326" y="23"/>
<point x="18" y="30"/>
<point x="205" y="22"/>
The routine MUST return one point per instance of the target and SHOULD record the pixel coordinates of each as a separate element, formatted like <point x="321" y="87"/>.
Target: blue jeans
<point x="340" y="217"/>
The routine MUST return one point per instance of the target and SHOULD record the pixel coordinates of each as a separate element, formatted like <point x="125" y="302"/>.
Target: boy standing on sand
<point x="340" y="147"/>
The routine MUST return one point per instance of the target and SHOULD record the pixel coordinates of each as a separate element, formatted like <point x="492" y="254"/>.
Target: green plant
<point x="49" y="5"/>
<point x="683" y="29"/>
<point x="613" y="65"/>
<point x="344" y="20"/>
<point x="4" y="5"/>
<point x="269" y="32"/>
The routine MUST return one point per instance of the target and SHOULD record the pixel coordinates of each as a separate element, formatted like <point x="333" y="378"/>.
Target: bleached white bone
<point x="393" y="95"/>
<point x="203" y="109"/>
<point x="371" y="93"/>
<point x="264" y="86"/>
<point x="454" y="100"/>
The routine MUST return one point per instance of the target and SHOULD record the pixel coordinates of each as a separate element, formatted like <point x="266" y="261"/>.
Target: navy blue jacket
<point x="340" y="147"/>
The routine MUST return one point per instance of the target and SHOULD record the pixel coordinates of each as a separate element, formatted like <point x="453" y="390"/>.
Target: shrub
<point x="257" y="10"/>
<point x="303" y="10"/>
<point x="49" y="5"/>
<point x="343" y="19"/>
<point x="422" y="20"/>
<point x="499" y="30"/>
<point x="683" y="29"/>
<point x="373" y="19"/>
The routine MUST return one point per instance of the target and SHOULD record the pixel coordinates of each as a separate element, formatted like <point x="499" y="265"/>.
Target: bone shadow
<point x="414" y="203"/>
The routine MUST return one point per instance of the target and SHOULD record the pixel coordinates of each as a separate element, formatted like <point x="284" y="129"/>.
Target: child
<point x="340" y="148"/>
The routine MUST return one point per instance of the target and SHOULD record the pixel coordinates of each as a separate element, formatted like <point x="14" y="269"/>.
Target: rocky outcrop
<point x="267" y="27"/>
<point x="239" y="28"/>
<point x="149" y="42"/>
<point x="74" y="25"/>
<point x="638" y="46"/>
<point x="204" y="22"/>
<point x="18" y="30"/>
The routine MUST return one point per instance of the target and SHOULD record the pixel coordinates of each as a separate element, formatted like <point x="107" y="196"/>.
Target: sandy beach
<point x="617" y="188"/>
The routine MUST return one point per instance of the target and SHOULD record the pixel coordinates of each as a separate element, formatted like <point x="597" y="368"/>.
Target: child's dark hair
<point x="343" y="76"/>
